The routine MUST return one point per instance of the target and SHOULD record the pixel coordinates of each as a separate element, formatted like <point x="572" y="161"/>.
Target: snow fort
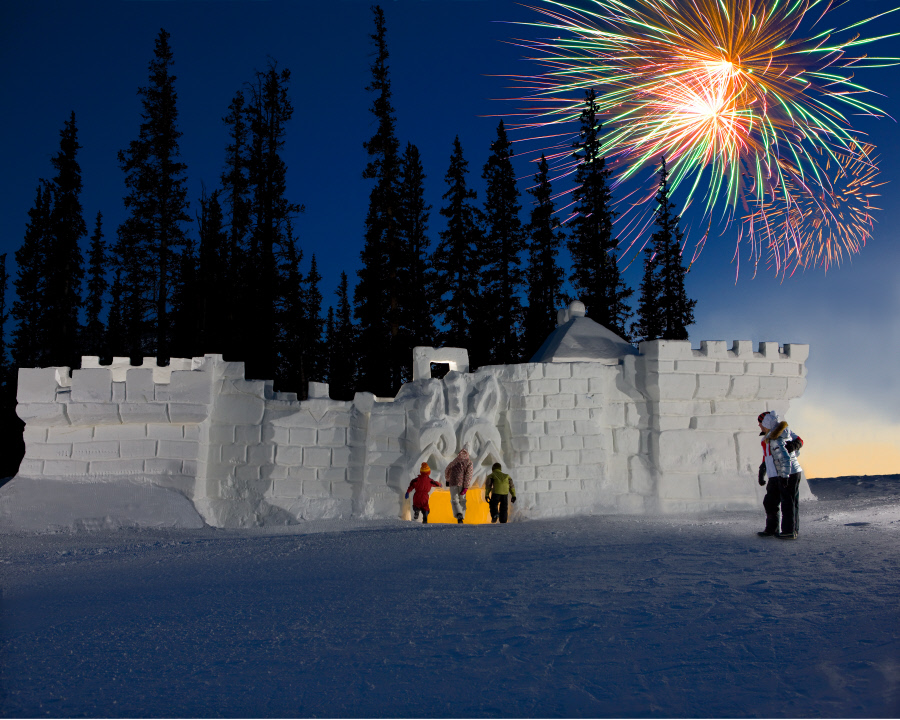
<point x="592" y="425"/>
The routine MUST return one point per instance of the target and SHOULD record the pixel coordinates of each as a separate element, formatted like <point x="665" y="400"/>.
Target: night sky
<point x="448" y="59"/>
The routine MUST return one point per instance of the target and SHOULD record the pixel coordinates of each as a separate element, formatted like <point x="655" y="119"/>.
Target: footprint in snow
<point x="857" y="524"/>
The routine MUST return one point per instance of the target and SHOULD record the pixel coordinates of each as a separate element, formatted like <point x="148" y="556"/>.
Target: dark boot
<point x="771" y="527"/>
<point x="415" y="513"/>
<point x="425" y="516"/>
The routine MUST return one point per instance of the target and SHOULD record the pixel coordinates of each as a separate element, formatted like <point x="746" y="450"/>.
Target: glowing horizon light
<point x="750" y="114"/>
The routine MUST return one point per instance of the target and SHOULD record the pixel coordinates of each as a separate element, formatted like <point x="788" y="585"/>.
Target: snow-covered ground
<point x="596" y="616"/>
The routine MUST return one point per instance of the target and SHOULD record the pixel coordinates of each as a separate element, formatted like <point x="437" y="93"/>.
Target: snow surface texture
<point x="594" y="427"/>
<point x="686" y="615"/>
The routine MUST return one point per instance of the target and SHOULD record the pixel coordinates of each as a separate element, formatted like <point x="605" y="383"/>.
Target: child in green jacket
<point x="497" y="489"/>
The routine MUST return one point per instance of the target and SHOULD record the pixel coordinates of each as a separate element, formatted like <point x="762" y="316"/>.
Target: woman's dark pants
<point x="772" y="503"/>
<point x="790" y="503"/>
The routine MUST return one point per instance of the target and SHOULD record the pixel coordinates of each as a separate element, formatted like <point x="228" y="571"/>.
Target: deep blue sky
<point x="92" y="56"/>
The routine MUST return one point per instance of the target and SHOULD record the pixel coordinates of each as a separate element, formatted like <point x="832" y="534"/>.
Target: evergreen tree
<point x="93" y="334"/>
<point x="186" y="330"/>
<point x="649" y="323"/>
<point x="342" y="373"/>
<point x="10" y="425"/>
<point x="457" y="278"/>
<point x="417" y="279"/>
<point x="376" y="293"/>
<point x="328" y="349"/>
<point x="269" y="112"/>
<point x="157" y="205"/>
<point x="115" y="340"/>
<point x="64" y="269"/>
<point x="5" y="375"/>
<point x="293" y="349"/>
<point x="29" y="337"/>
<point x="237" y="304"/>
<point x="313" y="327"/>
<point x="676" y="310"/>
<point x="595" y="271"/>
<point x="503" y="244"/>
<point x="543" y="274"/>
<point x="214" y="291"/>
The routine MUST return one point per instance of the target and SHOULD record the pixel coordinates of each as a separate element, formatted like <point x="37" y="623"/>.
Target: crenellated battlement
<point x="667" y="428"/>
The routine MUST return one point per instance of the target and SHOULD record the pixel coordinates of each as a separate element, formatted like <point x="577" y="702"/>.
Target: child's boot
<point x="425" y="516"/>
<point x="415" y="513"/>
<point x="459" y="518"/>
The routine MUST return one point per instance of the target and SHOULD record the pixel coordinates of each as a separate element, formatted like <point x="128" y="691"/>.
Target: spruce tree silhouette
<point x="64" y="270"/>
<point x="457" y="279"/>
<point x="150" y="237"/>
<point x="665" y="312"/>
<point x="376" y="293"/>
<point x="543" y="273"/>
<point x="595" y="271"/>
<point x="501" y="277"/>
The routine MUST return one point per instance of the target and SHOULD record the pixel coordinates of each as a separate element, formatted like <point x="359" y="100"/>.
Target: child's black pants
<point x="499" y="505"/>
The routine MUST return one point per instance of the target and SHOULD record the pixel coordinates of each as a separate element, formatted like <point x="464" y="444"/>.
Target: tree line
<point x="491" y="283"/>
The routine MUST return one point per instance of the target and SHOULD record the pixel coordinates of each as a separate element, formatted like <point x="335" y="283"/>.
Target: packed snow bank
<point x="688" y="615"/>
<point x="42" y="505"/>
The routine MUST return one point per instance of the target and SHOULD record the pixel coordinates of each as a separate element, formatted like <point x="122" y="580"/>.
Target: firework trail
<point x="748" y="108"/>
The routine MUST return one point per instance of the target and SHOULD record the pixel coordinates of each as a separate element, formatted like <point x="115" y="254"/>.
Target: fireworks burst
<point x="752" y="118"/>
<point x="815" y="229"/>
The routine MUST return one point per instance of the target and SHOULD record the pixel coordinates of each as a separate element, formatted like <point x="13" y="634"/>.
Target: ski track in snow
<point x="673" y="616"/>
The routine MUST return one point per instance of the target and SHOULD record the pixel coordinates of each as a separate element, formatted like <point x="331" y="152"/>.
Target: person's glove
<point x="463" y="492"/>
<point x="514" y="499"/>
<point x="407" y="496"/>
<point x="761" y="476"/>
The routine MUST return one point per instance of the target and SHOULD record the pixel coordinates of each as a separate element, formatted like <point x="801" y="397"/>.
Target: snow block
<point x="36" y="385"/>
<point x="671" y="387"/>
<point x="92" y="386"/>
<point x="666" y="350"/>
<point x="796" y="352"/>
<point x="695" y="451"/>
<point x="712" y="386"/>
<point x="141" y="412"/>
<point x="744" y="387"/>
<point x="139" y="386"/>
<point x="187" y="386"/>
<point x="96" y="450"/>
<point x="239" y="410"/>
<point x="187" y="412"/>
<point x="43" y="414"/>
<point x="771" y="388"/>
<point x="93" y="413"/>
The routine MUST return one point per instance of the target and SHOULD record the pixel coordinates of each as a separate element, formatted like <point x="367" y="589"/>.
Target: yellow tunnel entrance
<point x="477" y="510"/>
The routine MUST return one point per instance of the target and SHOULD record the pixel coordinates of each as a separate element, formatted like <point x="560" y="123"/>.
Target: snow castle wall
<point x="669" y="429"/>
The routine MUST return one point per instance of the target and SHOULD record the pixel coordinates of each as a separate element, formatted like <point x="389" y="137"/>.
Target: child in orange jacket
<point x="422" y="485"/>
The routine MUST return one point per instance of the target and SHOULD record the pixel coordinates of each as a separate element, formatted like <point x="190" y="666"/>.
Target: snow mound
<point x="41" y="505"/>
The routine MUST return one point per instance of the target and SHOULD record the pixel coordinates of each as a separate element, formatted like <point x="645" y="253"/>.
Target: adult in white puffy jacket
<point x="783" y="470"/>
